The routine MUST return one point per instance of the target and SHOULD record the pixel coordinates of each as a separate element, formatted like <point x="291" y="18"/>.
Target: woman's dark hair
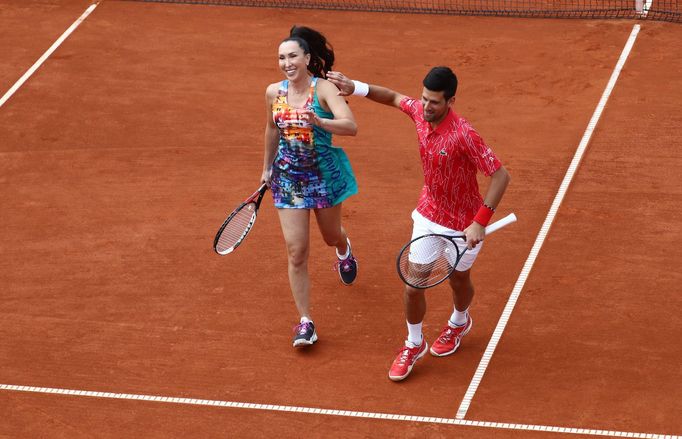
<point x="314" y="43"/>
<point x="441" y="79"/>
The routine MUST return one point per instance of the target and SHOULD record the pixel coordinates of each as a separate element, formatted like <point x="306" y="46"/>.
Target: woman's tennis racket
<point x="428" y="260"/>
<point x="238" y="224"/>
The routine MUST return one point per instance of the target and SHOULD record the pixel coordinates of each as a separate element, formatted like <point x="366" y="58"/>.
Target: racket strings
<point x="428" y="261"/>
<point x="236" y="228"/>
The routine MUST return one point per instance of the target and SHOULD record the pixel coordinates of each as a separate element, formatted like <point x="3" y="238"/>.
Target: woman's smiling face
<point x="292" y="60"/>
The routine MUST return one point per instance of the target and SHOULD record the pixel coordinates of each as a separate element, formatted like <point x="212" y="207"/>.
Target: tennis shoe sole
<point x="302" y="342"/>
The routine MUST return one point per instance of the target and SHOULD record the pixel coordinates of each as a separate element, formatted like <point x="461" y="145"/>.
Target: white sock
<point x="458" y="318"/>
<point x="414" y="333"/>
<point x="342" y="257"/>
<point x="305" y="319"/>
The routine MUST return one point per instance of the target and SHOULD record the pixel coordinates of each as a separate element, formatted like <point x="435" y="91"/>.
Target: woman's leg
<point x="334" y="235"/>
<point x="329" y="222"/>
<point x="295" y="225"/>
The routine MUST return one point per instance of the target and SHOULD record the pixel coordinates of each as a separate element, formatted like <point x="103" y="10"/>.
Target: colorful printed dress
<point x="308" y="172"/>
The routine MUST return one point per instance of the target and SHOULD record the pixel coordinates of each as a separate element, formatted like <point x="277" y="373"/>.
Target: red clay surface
<point x="122" y="154"/>
<point x="598" y="323"/>
<point x="28" y="29"/>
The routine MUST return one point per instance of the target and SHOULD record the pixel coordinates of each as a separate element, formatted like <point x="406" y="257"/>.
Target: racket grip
<point x="500" y="223"/>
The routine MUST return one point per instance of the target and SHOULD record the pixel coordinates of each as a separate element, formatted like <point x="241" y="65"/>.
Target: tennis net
<point x="667" y="10"/>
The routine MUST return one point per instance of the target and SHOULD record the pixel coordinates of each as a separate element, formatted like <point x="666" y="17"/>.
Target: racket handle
<point x="500" y="223"/>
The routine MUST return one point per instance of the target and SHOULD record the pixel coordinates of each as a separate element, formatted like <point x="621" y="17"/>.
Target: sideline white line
<point x="330" y="412"/>
<point x="540" y="239"/>
<point x="49" y="51"/>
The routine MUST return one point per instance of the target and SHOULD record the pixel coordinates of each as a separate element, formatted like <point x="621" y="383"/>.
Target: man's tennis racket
<point x="428" y="260"/>
<point x="238" y="224"/>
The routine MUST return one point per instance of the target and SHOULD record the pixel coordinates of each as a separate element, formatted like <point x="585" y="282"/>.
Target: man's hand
<point x="474" y="234"/>
<point x="344" y="84"/>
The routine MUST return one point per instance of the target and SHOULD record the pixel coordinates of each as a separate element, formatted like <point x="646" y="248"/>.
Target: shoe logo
<point x="443" y="152"/>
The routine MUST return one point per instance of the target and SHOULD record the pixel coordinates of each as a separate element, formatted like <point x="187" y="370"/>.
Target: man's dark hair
<point x="443" y="79"/>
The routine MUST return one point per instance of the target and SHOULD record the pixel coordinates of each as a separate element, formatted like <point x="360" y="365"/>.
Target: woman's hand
<point x="308" y="116"/>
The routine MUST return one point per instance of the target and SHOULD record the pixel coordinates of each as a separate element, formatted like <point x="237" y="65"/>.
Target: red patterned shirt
<point x="451" y="155"/>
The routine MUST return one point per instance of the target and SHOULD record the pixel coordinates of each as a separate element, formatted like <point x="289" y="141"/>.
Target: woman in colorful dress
<point x="304" y="171"/>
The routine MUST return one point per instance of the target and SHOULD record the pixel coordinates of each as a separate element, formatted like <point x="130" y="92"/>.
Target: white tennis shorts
<point x="423" y="226"/>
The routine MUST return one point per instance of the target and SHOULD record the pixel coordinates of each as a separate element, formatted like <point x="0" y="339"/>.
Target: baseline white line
<point x="330" y="412"/>
<point x="47" y="53"/>
<point x="540" y="239"/>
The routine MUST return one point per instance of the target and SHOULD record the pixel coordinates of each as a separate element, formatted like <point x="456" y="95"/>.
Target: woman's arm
<point x="343" y="123"/>
<point x="271" y="137"/>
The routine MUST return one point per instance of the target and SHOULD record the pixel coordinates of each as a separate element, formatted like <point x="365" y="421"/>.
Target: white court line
<point x="540" y="239"/>
<point x="47" y="53"/>
<point x="330" y="412"/>
<point x="491" y="346"/>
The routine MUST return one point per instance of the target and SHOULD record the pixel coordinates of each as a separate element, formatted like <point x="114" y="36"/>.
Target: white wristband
<point x="361" y="88"/>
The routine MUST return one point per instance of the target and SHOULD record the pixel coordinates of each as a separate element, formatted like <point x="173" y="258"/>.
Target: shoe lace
<point x="406" y="354"/>
<point x="447" y="335"/>
<point x="344" y="265"/>
<point x="301" y="328"/>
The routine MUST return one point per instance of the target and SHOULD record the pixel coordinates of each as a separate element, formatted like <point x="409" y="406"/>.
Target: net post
<point x="642" y="7"/>
<point x="639" y="6"/>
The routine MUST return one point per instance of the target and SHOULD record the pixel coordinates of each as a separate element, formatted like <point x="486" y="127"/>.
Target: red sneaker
<point x="448" y="341"/>
<point x="407" y="356"/>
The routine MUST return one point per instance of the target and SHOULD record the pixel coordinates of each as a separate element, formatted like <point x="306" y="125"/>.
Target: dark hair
<point x="314" y="43"/>
<point x="301" y="42"/>
<point x="441" y="79"/>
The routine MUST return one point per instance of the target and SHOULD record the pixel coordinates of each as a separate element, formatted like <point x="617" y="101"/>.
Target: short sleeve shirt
<point x="451" y="156"/>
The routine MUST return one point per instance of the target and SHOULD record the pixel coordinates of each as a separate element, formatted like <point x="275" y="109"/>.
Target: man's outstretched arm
<point x="376" y="93"/>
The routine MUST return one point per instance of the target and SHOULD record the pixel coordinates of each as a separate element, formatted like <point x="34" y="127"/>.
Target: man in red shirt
<point x="452" y="152"/>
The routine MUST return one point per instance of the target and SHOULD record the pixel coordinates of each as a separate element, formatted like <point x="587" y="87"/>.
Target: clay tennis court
<point x="124" y="150"/>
